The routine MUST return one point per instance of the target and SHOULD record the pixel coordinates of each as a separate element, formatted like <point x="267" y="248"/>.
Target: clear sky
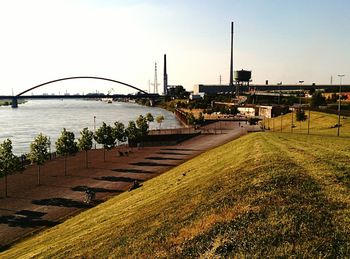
<point x="279" y="40"/>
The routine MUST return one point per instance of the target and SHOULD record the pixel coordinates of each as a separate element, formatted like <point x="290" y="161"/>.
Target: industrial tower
<point x="231" y="60"/>
<point x="155" y="83"/>
<point x="165" y="78"/>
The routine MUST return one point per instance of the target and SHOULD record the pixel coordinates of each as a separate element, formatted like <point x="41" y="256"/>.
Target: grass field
<point x="320" y="123"/>
<point x="265" y="194"/>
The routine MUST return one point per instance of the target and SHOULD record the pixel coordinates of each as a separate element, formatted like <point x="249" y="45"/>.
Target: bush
<point x="300" y="115"/>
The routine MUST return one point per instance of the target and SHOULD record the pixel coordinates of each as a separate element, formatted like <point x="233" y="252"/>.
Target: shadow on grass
<point x="132" y="171"/>
<point x="149" y="164"/>
<point x="26" y="219"/>
<point x="180" y="149"/>
<point x="163" y="158"/>
<point x="83" y="188"/>
<point x="118" y="179"/>
<point x="62" y="202"/>
<point x="291" y="195"/>
<point x="172" y="153"/>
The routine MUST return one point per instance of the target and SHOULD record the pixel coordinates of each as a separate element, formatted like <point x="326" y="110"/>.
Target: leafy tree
<point x="180" y="92"/>
<point x="142" y="125"/>
<point x="119" y="131"/>
<point x="9" y="163"/>
<point x="132" y="132"/>
<point x="317" y="99"/>
<point x="160" y="119"/>
<point x="312" y="90"/>
<point x="252" y="120"/>
<point x="39" y="151"/>
<point x="65" y="145"/>
<point x="149" y="117"/>
<point x="106" y="136"/>
<point x="190" y="118"/>
<point x="200" y="119"/>
<point x="85" y="142"/>
<point x="300" y="115"/>
<point x="234" y="110"/>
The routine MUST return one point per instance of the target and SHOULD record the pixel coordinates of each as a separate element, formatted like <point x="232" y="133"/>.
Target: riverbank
<point x="9" y="102"/>
<point x="30" y="208"/>
<point x="265" y="195"/>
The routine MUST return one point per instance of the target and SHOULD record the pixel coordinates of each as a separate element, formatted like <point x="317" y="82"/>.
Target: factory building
<point x="211" y="89"/>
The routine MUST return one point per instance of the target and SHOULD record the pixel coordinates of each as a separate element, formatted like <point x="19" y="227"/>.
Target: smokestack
<point x="165" y="79"/>
<point x="231" y="65"/>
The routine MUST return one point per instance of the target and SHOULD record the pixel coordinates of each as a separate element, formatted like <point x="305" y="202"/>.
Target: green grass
<point x="265" y="194"/>
<point x="320" y="123"/>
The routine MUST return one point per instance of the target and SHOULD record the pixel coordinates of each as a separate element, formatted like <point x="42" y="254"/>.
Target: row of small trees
<point x="108" y="136"/>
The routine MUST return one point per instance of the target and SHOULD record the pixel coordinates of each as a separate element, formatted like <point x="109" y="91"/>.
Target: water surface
<point x="49" y="117"/>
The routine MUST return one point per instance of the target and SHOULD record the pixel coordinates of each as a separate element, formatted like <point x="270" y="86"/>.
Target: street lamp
<point x="301" y="82"/>
<point x="50" y="148"/>
<point x="339" y="101"/>
<point x="95" y="128"/>
<point x="279" y="91"/>
<point x="281" y="120"/>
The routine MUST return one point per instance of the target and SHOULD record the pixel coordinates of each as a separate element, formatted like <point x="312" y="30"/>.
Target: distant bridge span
<point x="82" y="77"/>
<point x="20" y="95"/>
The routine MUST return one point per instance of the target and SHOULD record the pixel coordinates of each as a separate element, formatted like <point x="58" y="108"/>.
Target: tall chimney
<point x="165" y="79"/>
<point x="231" y="65"/>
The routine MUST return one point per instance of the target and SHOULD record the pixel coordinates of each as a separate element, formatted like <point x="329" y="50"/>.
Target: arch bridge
<point x="140" y="93"/>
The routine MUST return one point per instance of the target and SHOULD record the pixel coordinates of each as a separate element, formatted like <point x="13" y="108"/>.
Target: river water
<point x="49" y="117"/>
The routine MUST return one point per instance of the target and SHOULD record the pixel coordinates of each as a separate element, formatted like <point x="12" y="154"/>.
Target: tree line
<point x="109" y="136"/>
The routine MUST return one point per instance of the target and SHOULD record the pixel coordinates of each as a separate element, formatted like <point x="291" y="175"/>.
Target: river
<point x="49" y="117"/>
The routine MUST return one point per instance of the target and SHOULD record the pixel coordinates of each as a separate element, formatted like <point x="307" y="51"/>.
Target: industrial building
<point x="212" y="89"/>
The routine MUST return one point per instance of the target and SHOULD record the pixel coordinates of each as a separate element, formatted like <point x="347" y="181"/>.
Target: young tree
<point x="132" y="132"/>
<point x="300" y="115"/>
<point x="200" y="119"/>
<point x="142" y="125"/>
<point x="149" y="117"/>
<point x="119" y="131"/>
<point x="39" y="151"/>
<point x="190" y="118"/>
<point x="65" y="145"/>
<point x="85" y="143"/>
<point x="317" y="99"/>
<point x="9" y="163"/>
<point x="106" y="136"/>
<point x="160" y="119"/>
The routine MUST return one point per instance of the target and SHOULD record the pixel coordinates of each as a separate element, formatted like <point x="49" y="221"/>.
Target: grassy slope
<point x="264" y="194"/>
<point x="320" y="123"/>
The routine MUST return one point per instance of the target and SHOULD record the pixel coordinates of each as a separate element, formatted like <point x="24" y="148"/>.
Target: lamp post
<point x="50" y="148"/>
<point x="308" y="121"/>
<point x="281" y="120"/>
<point x="95" y="128"/>
<point x="301" y="82"/>
<point x="279" y="92"/>
<point x="339" y="101"/>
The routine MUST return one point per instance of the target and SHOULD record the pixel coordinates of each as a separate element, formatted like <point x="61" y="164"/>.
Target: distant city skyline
<point x="280" y="41"/>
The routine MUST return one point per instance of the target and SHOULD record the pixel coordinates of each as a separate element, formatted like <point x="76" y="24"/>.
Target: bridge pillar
<point x="14" y="103"/>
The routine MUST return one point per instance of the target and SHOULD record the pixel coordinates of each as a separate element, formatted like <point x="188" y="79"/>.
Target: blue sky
<point x="279" y="40"/>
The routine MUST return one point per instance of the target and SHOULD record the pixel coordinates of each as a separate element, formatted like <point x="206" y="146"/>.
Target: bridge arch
<point x="82" y="77"/>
